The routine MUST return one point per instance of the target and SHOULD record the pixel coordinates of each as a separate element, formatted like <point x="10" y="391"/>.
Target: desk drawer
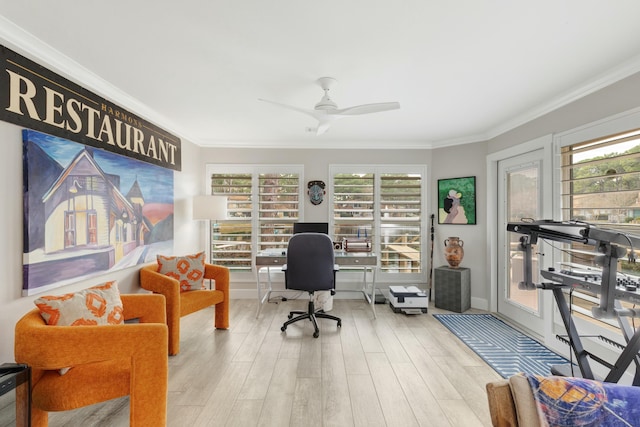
<point x="356" y="260"/>
<point x="271" y="260"/>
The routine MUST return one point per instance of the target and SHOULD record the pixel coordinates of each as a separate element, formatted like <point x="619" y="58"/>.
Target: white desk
<point x="368" y="261"/>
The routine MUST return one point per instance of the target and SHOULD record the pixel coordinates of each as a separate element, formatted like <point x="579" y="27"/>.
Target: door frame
<point x="544" y="143"/>
<point x="506" y="306"/>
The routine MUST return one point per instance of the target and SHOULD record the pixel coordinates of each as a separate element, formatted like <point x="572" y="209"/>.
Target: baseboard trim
<point x="477" y="303"/>
<point x="253" y="294"/>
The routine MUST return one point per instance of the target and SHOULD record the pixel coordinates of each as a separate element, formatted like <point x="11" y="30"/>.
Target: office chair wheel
<point x="316" y="334"/>
<point x="339" y="323"/>
<point x="284" y="328"/>
<point x="290" y="315"/>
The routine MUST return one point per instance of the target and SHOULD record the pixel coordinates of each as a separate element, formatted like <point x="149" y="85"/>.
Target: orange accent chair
<point x="107" y="361"/>
<point x="182" y="303"/>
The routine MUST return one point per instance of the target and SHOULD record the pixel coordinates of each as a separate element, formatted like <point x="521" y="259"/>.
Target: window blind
<point x="353" y="206"/>
<point x="261" y="210"/>
<point x="600" y="185"/>
<point x="278" y="208"/>
<point x="400" y="223"/>
<point x="386" y="207"/>
<point x="231" y="242"/>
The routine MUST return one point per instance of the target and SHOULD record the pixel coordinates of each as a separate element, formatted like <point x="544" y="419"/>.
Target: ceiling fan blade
<point x="323" y="126"/>
<point x="312" y="113"/>
<point x="367" y="109"/>
<point x="326" y="111"/>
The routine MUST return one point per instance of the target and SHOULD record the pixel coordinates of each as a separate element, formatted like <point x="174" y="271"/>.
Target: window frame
<point x="255" y="170"/>
<point x="591" y="213"/>
<point x="377" y="169"/>
<point x="381" y="277"/>
<point x="614" y="125"/>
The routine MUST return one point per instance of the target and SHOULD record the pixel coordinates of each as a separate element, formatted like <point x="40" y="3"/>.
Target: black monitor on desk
<point x="311" y="227"/>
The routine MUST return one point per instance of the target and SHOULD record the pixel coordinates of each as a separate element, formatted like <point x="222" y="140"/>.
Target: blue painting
<point x="567" y="401"/>
<point x="88" y="212"/>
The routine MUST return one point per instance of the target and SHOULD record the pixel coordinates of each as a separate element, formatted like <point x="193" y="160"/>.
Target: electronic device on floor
<point x="408" y="300"/>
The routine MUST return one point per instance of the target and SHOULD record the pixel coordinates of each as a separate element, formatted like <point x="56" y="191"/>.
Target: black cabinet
<point x="452" y="288"/>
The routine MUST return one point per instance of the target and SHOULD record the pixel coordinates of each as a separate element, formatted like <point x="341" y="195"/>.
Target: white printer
<point x="409" y="299"/>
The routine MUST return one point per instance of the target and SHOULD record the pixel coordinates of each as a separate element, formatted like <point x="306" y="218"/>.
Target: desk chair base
<point x="310" y="314"/>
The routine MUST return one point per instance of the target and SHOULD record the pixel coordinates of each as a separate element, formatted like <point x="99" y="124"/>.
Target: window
<point x="601" y="186"/>
<point x="263" y="202"/>
<point x="386" y="205"/>
<point x="279" y="202"/>
<point x="69" y="229"/>
<point x="353" y="206"/>
<point x="382" y="203"/>
<point x="92" y="225"/>
<point x="400" y="223"/>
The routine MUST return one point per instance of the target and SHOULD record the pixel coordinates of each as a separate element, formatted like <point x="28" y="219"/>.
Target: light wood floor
<point x="396" y="370"/>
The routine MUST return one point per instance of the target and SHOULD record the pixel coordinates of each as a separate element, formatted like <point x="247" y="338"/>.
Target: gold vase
<point x="453" y="251"/>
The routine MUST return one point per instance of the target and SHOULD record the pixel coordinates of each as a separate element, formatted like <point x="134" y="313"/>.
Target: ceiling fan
<point x="326" y="111"/>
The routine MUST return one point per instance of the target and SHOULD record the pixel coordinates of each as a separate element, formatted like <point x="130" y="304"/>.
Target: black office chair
<point x="310" y="267"/>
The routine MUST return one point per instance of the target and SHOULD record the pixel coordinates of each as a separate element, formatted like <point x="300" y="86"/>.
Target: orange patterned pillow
<point x="188" y="270"/>
<point x="99" y="305"/>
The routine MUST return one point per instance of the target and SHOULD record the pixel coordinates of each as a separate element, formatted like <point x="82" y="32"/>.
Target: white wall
<point x="459" y="161"/>
<point x="454" y="162"/>
<point x="619" y="97"/>
<point x="316" y="164"/>
<point x="12" y="305"/>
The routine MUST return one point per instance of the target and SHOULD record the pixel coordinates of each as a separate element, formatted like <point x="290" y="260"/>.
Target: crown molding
<point x="320" y="144"/>
<point x="29" y="46"/>
<point x="26" y="44"/>
<point x="345" y="144"/>
<point x="605" y="79"/>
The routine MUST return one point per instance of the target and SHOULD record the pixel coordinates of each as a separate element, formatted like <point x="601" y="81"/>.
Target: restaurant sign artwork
<point x="37" y="98"/>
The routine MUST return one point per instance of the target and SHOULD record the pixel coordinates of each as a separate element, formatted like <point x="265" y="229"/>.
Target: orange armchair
<point x="107" y="361"/>
<point x="182" y="303"/>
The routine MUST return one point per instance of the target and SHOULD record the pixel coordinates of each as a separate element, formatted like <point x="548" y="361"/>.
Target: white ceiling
<point x="462" y="70"/>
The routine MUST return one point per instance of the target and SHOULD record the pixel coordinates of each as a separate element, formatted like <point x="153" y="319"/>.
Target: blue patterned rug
<point x="505" y="349"/>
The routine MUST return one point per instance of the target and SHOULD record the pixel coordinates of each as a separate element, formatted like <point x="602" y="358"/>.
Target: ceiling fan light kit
<point x="326" y="103"/>
<point x="326" y="110"/>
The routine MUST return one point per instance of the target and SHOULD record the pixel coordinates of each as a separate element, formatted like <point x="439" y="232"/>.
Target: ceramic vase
<point x="453" y="251"/>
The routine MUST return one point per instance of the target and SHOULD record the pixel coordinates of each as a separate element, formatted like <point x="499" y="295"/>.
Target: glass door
<point x="520" y="198"/>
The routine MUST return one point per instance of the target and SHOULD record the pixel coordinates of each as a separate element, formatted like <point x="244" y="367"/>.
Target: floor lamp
<point x="211" y="208"/>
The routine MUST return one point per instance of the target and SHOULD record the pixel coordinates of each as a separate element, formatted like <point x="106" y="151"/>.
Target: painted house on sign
<point x="88" y="224"/>
<point x="85" y="209"/>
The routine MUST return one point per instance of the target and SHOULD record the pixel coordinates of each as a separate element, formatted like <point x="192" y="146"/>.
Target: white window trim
<point x="611" y="125"/>
<point x="255" y="170"/>
<point x="419" y="279"/>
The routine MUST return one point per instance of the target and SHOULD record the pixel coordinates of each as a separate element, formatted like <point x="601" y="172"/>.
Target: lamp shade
<point x="209" y="207"/>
